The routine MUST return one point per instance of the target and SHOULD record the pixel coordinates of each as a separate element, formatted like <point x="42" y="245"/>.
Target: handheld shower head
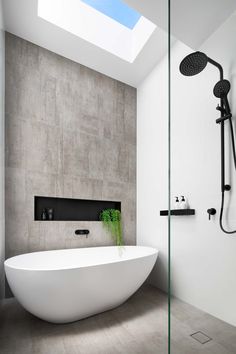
<point x="221" y="91"/>
<point x="221" y="88"/>
<point x="193" y="64"/>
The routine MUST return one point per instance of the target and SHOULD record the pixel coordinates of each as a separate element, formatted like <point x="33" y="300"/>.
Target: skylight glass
<point x="80" y="19"/>
<point x="117" y="10"/>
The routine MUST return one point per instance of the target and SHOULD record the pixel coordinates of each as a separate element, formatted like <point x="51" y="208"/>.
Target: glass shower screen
<point x="202" y="237"/>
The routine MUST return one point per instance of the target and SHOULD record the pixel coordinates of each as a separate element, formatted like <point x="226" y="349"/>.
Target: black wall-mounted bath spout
<point x="191" y="65"/>
<point x="82" y="232"/>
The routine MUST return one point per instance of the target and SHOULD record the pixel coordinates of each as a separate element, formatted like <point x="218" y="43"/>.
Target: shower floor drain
<point x="201" y="337"/>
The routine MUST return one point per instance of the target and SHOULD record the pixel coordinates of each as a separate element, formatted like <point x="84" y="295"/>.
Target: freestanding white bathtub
<point x="68" y="285"/>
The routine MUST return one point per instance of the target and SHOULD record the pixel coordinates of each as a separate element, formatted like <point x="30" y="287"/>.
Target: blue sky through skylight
<point x="117" y="10"/>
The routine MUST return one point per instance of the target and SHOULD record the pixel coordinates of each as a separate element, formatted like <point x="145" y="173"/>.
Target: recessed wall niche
<point x="69" y="209"/>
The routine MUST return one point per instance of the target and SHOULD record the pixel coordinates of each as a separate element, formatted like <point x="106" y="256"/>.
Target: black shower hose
<point x="223" y="192"/>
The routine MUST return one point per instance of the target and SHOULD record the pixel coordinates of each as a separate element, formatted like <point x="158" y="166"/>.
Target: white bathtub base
<point x="65" y="292"/>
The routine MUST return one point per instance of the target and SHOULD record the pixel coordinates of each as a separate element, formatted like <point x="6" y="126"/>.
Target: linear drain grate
<point x="201" y="337"/>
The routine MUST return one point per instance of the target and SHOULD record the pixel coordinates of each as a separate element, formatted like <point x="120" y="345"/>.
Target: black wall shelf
<point x="178" y="212"/>
<point x="68" y="209"/>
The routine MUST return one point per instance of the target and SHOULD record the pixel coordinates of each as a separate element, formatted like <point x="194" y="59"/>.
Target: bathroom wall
<point x="70" y="132"/>
<point x="2" y="84"/>
<point x="202" y="256"/>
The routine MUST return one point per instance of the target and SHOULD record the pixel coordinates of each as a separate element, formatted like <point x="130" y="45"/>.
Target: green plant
<point x="111" y="219"/>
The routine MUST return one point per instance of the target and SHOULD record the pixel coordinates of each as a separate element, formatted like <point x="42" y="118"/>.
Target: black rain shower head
<point x="221" y="88"/>
<point x="195" y="62"/>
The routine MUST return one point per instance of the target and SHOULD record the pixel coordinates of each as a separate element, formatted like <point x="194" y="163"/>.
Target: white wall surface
<point x="2" y="85"/>
<point x="152" y="163"/>
<point x="203" y="257"/>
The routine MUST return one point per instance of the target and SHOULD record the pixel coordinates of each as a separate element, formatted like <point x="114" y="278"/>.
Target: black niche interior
<point x="67" y="209"/>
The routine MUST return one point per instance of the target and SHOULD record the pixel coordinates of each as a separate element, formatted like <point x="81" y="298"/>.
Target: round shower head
<point x="193" y="64"/>
<point x="221" y="88"/>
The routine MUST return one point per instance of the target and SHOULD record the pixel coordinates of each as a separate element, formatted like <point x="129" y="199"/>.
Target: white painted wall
<point x="2" y="89"/>
<point x="203" y="258"/>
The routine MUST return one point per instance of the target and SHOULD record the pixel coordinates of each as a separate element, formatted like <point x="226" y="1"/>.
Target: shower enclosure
<point x="202" y="168"/>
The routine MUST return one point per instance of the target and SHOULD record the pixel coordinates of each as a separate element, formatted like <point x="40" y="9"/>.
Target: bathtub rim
<point x="154" y="252"/>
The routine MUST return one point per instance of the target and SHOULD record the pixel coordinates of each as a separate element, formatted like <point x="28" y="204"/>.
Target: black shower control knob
<point x="211" y="211"/>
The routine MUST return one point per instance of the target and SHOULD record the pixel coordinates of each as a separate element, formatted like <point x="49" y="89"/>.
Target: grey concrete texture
<point x="139" y="326"/>
<point x="70" y="132"/>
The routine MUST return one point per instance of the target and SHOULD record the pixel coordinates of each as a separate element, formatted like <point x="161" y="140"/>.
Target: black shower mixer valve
<point x="211" y="211"/>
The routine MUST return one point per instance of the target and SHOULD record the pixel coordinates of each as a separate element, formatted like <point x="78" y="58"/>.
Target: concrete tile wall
<point x="2" y="157"/>
<point x="70" y="132"/>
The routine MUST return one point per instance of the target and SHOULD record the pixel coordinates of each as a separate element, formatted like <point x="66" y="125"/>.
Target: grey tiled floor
<point x="137" y="327"/>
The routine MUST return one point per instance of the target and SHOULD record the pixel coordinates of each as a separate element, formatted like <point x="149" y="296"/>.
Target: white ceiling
<point x="21" y="19"/>
<point x="192" y="21"/>
<point x="203" y="17"/>
<point x="82" y="20"/>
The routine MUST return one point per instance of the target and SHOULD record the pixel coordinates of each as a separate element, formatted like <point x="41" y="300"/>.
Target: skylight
<point x="110" y="26"/>
<point x="117" y="10"/>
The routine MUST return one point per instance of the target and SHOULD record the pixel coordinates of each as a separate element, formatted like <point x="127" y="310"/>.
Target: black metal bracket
<point x="223" y="118"/>
<point x="221" y="109"/>
<point x="227" y="187"/>
<point x="177" y="212"/>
